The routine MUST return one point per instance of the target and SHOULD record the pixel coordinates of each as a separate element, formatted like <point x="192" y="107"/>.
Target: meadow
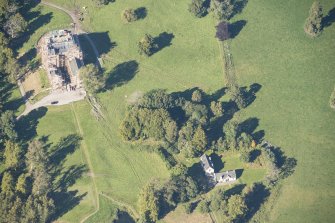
<point x="296" y="75"/>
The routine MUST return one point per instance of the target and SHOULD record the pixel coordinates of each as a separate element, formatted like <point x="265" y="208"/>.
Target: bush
<point x="313" y="24"/>
<point x="216" y="108"/>
<point x="129" y="15"/>
<point x="222" y="9"/>
<point x="147" y="45"/>
<point x="203" y="207"/>
<point x="188" y="208"/>
<point x="197" y="96"/>
<point x="198" y="8"/>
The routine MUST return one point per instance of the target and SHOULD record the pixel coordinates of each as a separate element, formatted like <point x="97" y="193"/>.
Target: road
<point x="61" y="97"/>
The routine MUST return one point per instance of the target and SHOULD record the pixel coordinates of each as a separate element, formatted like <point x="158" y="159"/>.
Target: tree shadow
<point x="197" y="173"/>
<point x="235" y="190"/>
<point x="255" y="199"/>
<point x="67" y="145"/>
<point x="239" y="173"/>
<point x="33" y="25"/>
<point x="29" y="94"/>
<point x="254" y="154"/>
<point x="124" y="217"/>
<point x="248" y="126"/>
<point x="26" y="125"/>
<point x="163" y="40"/>
<point x="102" y="41"/>
<point x="28" y="60"/>
<point x="65" y="201"/>
<point x="235" y="28"/>
<point x="239" y="5"/>
<point x="141" y="12"/>
<point x="249" y="95"/>
<point x="329" y="19"/>
<point x="121" y="74"/>
<point x="217" y="162"/>
<point x="63" y="177"/>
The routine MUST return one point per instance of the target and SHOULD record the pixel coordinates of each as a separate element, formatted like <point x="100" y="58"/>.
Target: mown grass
<point x="296" y="74"/>
<point x="297" y="77"/>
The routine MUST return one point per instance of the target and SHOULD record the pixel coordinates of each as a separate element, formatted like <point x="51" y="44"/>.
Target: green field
<point x="296" y="74"/>
<point x="297" y="77"/>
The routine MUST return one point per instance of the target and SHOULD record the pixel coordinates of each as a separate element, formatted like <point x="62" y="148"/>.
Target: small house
<point x="207" y="164"/>
<point x="225" y="177"/>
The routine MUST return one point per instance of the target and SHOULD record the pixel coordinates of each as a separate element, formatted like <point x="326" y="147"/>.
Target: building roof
<point x="225" y="175"/>
<point x="206" y="162"/>
<point x="74" y="66"/>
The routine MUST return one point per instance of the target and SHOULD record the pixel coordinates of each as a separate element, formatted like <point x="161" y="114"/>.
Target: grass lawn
<point x="42" y="20"/>
<point x="297" y="78"/>
<point x="295" y="72"/>
<point x="247" y="174"/>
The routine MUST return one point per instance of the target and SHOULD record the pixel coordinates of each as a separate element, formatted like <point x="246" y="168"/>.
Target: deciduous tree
<point x="313" y="24"/>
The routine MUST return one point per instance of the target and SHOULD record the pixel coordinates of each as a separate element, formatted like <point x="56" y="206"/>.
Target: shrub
<point x="222" y="9"/>
<point x="147" y="45"/>
<point x="203" y="207"/>
<point x="313" y="24"/>
<point x="129" y="15"/>
<point x="197" y="96"/>
<point x="188" y="208"/>
<point x="216" y="108"/>
<point x="198" y="8"/>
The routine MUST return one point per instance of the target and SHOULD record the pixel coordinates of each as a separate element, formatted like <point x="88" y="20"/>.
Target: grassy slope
<point x="47" y="19"/>
<point x="59" y="122"/>
<point x="294" y="71"/>
<point x="297" y="77"/>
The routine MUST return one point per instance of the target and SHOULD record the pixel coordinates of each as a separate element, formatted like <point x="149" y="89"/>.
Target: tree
<point x="147" y="45"/>
<point x="7" y="183"/>
<point x="149" y="203"/>
<point x="222" y="9"/>
<point x="22" y="184"/>
<point x="216" y="108"/>
<point x="7" y="125"/>
<point x="230" y="131"/>
<point x="37" y="162"/>
<point x="15" y="25"/>
<point x="129" y="15"/>
<point x="197" y="96"/>
<point x="203" y="206"/>
<point x="236" y="207"/>
<point x="36" y="156"/>
<point x="92" y="78"/>
<point x="198" y="8"/>
<point x="313" y="24"/>
<point x="245" y="156"/>
<point x="12" y="154"/>
<point x="199" y="139"/>
<point x="188" y="207"/>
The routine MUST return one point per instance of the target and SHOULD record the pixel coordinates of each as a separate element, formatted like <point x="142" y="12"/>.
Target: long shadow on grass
<point x="26" y="125"/>
<point x="121" y="74"/>
<point x="329" y="19"/>
<point x="36" y="20"/>
<point x="141" y="12"/>
<point x="163" y="40"/>
<point x="63" y="177"/>
<point x="255" y="199"/>
<point x="102" y="42"/>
